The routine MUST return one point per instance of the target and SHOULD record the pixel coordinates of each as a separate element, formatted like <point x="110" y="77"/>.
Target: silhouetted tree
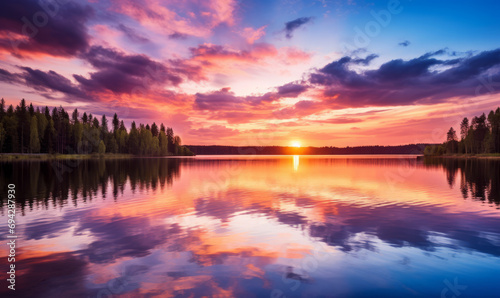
<point x="116" y="123"/>
<point x="481" y="136"/>
<point x="154" y="130"/>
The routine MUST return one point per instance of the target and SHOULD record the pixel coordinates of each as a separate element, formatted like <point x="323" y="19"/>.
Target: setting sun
<point x="296" y="144"/>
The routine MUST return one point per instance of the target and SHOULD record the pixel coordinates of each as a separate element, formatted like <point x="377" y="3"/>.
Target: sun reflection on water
<point x="295" y="162"/>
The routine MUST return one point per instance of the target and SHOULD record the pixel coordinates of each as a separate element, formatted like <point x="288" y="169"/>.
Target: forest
<point x="480" y="135"/>
<point x="24" y="129"/>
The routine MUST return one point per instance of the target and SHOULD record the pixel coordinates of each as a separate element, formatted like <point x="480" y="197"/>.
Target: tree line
<point x="480" y="135"/>
<point x="24" y="129"/>
<point x="283" y="150"/>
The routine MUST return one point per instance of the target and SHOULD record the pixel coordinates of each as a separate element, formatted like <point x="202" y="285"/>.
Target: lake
<point x="255" y="226"/>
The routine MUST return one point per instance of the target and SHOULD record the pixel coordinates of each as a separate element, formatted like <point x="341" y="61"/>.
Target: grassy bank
<point x="18" y="156"/>
<point x="465" y="156"/>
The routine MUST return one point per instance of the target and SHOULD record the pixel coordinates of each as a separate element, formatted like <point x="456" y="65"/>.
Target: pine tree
<point x="102" y="148"/>
<point x="116" y="123"/>
<point x="34" y="138"/>
<point x="2" y="136"/>
<point x="154" y="130"/>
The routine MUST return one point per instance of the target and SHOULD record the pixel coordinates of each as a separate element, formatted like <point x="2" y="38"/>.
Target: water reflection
<point x="479" y="178"/>
<point x="295" y="162"/>
<point x="255" y="226"/>
<point x="83" y="180"/>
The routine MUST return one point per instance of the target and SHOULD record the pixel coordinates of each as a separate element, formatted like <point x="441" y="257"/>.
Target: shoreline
<point x="46" y="156"/>
<point x="466" y="156"/>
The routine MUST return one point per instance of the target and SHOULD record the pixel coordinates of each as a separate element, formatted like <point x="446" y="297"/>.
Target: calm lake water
<point x="255" y="226"/>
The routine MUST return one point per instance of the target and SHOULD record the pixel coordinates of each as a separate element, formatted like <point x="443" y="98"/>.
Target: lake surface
<point x="255" y="226"/>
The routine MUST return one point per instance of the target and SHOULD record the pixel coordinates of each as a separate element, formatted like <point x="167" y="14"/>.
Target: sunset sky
<point x="322" y="73"/>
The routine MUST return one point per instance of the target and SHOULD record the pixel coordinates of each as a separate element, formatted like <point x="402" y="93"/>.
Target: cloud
<point x="291" y="26"/>
<point x="339" y="120"/>
<point x="251" y="34"/>
<point x="50" y="81"/>
<point x="404" y="43"/>
<point x="225" y="105"/>
<point x="115" y="74"/>
<point x="122" y="73"/>
<point x="185" y="18"/>
<point x="292" y="90"/>
<point x="132" y="34"/>
<point x="337" y="85"/>
<point x="42" y="81"/>
<point x="424" y="79"/>
<point x="177" y="35"/>
<point x="209" y="52"/>
<point x="212" y="132"/>
<point x="8" y="77"/>
<point x="225" y="99"/>
<point x="27" y="29"/>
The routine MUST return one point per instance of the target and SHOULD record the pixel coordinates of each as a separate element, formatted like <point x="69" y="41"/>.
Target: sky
<point x="225" y="72"/>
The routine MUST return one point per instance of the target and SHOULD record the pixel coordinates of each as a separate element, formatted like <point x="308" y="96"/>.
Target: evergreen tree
<point x="29" y="129"/>
<point x="95" y="123"/>
<point x="23" y="128"/>
<point x="102" y="148"/>
<point x="154" y="130"/>
<point x="2" y="109"/>
<point x="104" y="125"/>
<point x="133" y="140"/>
<point x="47" y="113"/>
<point x="170" y="140"/>
<point x="2" y="136"/>
<point x="74" y="116"/>
<point x="49" y="138"/>
<point x="34" y="138"/>
<point x="162" y="139"/>
<point x="116" y="123"/>
<point x="10" y="122"/>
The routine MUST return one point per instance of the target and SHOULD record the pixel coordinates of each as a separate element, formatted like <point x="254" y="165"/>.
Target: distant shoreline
<point x="409" y="149"/>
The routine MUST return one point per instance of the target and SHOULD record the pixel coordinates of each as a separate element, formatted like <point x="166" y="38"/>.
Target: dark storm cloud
<point x="291" y="26"/>
<point x="56" y="28"/>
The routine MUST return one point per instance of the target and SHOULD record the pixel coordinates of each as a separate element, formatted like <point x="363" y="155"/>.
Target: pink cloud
<point x="196" y="18"/>
<point x="251" y="35"/>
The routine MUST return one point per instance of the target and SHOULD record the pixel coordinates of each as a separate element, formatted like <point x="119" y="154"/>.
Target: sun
<point x="296" y="144"/>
